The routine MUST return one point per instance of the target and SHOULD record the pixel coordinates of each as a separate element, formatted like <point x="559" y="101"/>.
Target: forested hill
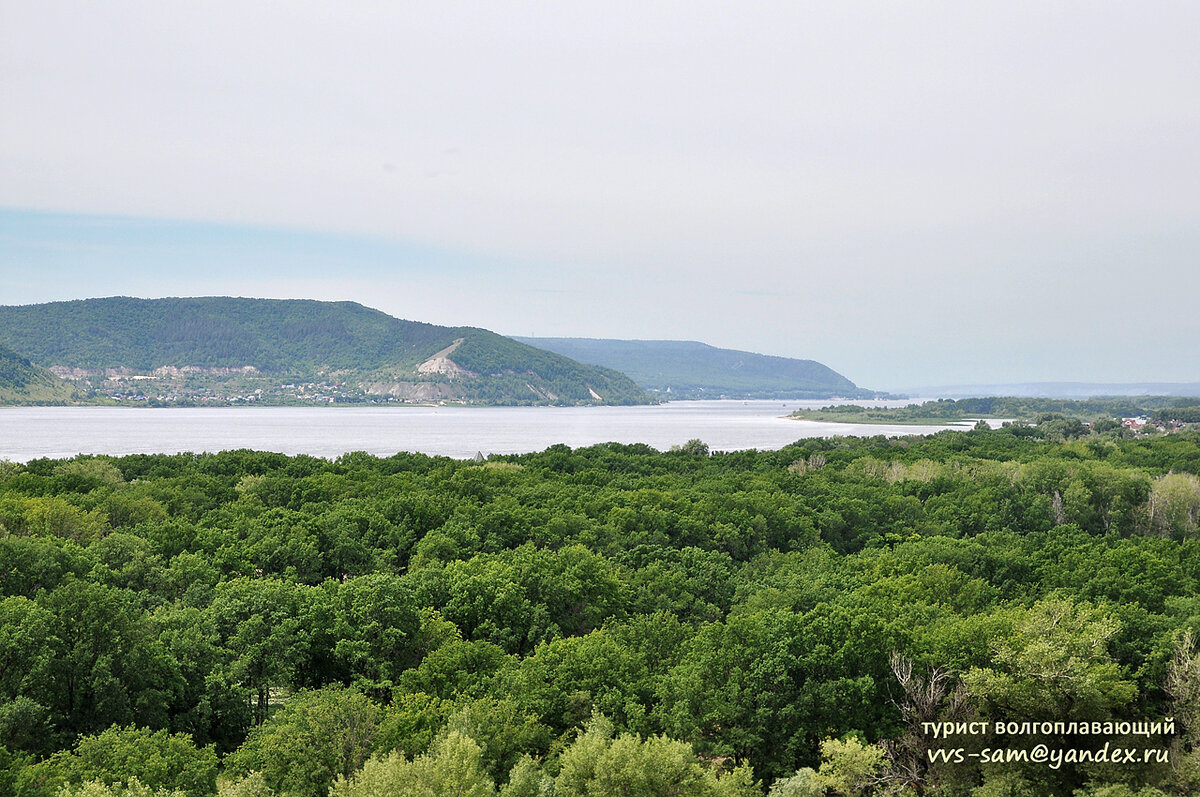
<point x="22" y="382"/>
<point x="690" y="369"/>
<point x="352" y="351"/>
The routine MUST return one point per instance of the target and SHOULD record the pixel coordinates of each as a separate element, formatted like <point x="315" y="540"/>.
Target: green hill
<point x="274" y="350"/>
<point x="22" y="382"/>
<point x="690" y="369"/>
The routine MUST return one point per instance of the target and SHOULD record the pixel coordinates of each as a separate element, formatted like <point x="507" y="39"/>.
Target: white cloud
<point x="928" y="167"/>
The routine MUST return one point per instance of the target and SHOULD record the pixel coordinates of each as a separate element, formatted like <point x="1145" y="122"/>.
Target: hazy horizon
<point x="910" y="195"/>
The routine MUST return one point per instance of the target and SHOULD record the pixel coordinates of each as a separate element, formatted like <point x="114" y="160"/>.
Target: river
<point x="30" y="432"/>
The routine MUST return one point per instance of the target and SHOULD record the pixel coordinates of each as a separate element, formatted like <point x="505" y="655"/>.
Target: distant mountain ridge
<point x="690" y="369"/>
<point x="338" y="351"/>
<point x="1062" y="390"/>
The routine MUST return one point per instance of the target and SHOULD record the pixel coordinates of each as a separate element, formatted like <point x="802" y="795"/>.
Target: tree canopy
<point x="607" y="620"/>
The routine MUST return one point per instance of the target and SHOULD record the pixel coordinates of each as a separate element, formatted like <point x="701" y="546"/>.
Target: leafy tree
<point x="1119" y="790"/>
<point x="25" y="725"/>
<point x="411" y="723"/>
<point x="153" y="759"/>
<point x="126" y="561"/>
<point x="31" y="564"/>
<point x="527" y="780"/>
<point x="563" y="682"/>
<point x="761" y="686"/>
<point x="518" y="598"/>
<point x="503" y="730"/>
<point x="457" y="669"/>
<point x="848" y="767"/>
<point x="212" y="706"/>
<point x="91" y="471"/>
<point x="376" y="630"/>
<point x="316" y="737"/>
<point x="1182" y="684"/>
<point x="453" y="768"/>
<point x="131" y="788"/>
<point x="1054" y="664"/>
<point x="252" y="785"/>
<point x="263" y="623"/>
<point x="108" y="667"/>
<point x="1174" y="505"/>
<point x="695" y="447"/>
<point x="27" y="649"/>
<point x="599" y="765"/>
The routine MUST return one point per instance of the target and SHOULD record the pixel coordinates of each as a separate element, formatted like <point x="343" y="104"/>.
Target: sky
<point x="911" y="193"/>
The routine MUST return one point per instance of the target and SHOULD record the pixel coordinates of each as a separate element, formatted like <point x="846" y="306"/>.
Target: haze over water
<point x="30" y="432"/>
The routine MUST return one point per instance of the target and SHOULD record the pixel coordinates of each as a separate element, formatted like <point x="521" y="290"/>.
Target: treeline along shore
<point x="1104" y="413"/>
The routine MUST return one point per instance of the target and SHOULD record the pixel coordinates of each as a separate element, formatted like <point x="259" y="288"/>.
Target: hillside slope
<point x="277" y="350"/>
<point x="689" y="369"/>
<point x="22" y="382"/>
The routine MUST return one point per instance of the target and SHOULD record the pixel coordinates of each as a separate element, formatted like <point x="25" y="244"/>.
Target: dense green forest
<point x="22" y="382"/>
<point x="1160" y="408"/>
<point x="608" y="621"/>
<point x="689" y="369"/>
<point x="360" y="351"/>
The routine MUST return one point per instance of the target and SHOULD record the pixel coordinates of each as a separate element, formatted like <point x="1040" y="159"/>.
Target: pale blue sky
<point x="911" y="193"/>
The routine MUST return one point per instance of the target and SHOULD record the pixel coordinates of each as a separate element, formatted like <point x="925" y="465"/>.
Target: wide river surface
<point x="30" y="432"/>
